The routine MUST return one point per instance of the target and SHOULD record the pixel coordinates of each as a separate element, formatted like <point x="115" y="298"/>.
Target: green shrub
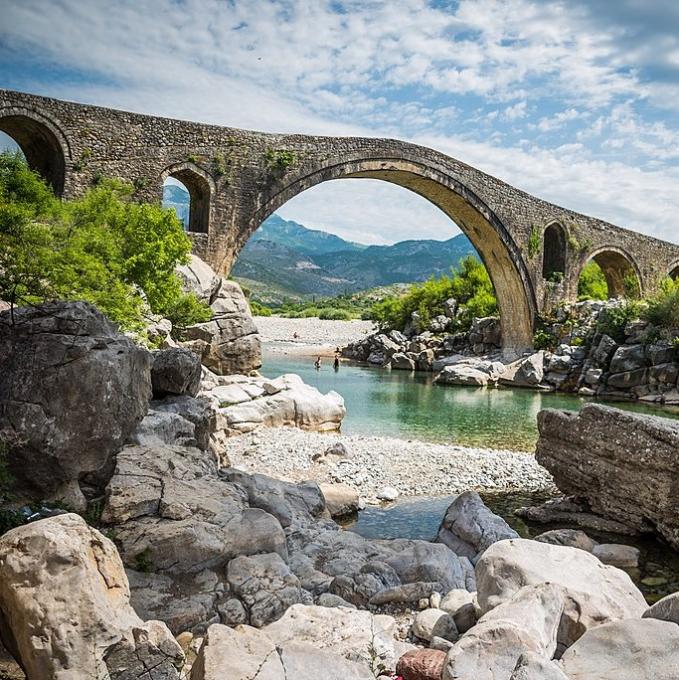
<point x="663" y="307"/>
<point x="534" y="242"/>
<point x="102" y="248"/>
<point x="612" y="320"/>
<point x="259" y="309"/>
<point x="544" y="340"/>
<point x="470" y="286"/>
<point x="334" y="314"/>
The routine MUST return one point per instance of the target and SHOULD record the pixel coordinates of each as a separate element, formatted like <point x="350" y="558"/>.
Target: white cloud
<point x="403" y="69"/>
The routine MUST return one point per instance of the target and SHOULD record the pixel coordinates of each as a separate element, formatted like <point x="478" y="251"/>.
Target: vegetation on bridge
<point x="102" y="248"/>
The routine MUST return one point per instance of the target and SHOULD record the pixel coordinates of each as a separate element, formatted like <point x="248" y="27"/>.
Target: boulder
<point x="607" y="456"/>
<point x="175" y="371"/>
<point x="462" y="374"/>
<point x="666" y="609"/>
<point x="530" y="370"/>
<point x="628" y="358"/>
<point x="245" y="653"/>
<point x="536" y="609"/>
<point x="469" y="527"/>
<point x="596" y="593"/>
<point x="489" y="651"/>
<point x="265" y="585"/>
<point x="287" y="401"/>
<point x="199" y="278"/>
<point x="625" y="650"/>
<point x="229" y="343"/>
<point x="242" y="653"/>
<point x="340" y="499"/>
<point x="402" y="362"/>
<point x="72" y="390"/>
<point x="573" y="538"/>
<point x="623" y="556"/>
<point x="531" y="666"/>
<point x="432" y="622"/>
<point x="65" y="607"/>
<point x="421" y="664"/>
<point x="352" y="634"/>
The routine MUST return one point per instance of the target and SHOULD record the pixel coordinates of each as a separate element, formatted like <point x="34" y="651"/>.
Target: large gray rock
<point x="229" y="342"/>
<point x="348" y="633"/>
<point x="489" y="651"/>
<point x="175" y="371"/>
<point x="257" y="402"/>
<point x="469" y="527"/>
<point x="625" y="650"/>
<point x="531" y="666"/>
<point x="462" y="374"/>
<point x="607" y="456"/>
<point x="72" y="390"/>
<point x="666" y="609"/>
<point x="595" y="593"/>
<point x="65" y="607"/>
<point x="265" y="585"/>
<point x="173" y="514"/>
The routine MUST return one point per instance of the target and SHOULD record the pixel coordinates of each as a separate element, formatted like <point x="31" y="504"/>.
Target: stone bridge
<point x="534" y="250"/>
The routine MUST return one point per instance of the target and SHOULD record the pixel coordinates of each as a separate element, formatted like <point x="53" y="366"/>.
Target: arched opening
<point x="674" y="271"/>
<point x="187" y="189"/>
<point x="554" y="253"/>
<point x="609" y="273"/>
<point x="41" y="147"/>
<point x="491" y="240"/>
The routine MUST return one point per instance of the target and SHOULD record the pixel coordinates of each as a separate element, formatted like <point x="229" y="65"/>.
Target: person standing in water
<point x="317" y="363"/>
<point x="336" y="365"/>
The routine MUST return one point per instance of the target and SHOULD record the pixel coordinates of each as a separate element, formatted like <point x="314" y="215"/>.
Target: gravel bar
<point x="413" y="468"/>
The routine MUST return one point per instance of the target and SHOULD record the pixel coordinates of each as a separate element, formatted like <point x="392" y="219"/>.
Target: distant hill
<point x="287" y="256"/>
<point x="286" y="259"/>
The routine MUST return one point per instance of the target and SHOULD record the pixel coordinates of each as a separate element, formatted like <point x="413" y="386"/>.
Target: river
<point x="407" y="405"/>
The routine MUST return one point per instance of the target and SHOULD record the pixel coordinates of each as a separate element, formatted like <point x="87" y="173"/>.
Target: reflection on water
<point x="406" y="405"/>
<point x="419" y="518"/>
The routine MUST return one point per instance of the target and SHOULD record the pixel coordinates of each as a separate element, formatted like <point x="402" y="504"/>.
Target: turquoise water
<point x="408" y="406"/>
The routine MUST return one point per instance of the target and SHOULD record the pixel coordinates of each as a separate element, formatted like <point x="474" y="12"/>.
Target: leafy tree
<point x="102" y="248"/>
<point x="592" y="283"/>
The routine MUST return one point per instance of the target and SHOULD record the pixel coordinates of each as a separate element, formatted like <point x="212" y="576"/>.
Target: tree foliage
<point x="592" y="283"/>
<point x="470" y="286"/>
<point x="102" y="248"/>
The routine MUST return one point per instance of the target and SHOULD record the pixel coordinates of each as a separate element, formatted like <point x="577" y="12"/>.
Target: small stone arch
<point x="489" y="236"/>
<point x="42" y="142"/>
<point x="673" y="271"/>
<point x="201" y="188"/>
<point x="554" y="251"/>
<point x="617" y="266"/>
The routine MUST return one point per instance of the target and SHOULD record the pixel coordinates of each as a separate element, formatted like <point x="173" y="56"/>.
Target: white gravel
<point x="313" y="332"/>
<point x="413" y="468"/>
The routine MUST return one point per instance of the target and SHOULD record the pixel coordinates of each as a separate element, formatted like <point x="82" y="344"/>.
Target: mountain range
<point x="286" y="259"/>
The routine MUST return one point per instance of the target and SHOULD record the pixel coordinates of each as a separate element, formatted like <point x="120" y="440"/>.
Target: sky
<point x="575" y="101"/>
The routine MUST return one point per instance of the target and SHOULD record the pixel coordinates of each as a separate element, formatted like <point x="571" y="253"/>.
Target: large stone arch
<point x="490" y="237"/>
<point x="616" y="264"/>
<point x="44" y="145"/>
<point x="201" y="188"/>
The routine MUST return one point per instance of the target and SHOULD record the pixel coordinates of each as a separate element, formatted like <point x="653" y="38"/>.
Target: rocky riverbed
<point x="369" y="464"/>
